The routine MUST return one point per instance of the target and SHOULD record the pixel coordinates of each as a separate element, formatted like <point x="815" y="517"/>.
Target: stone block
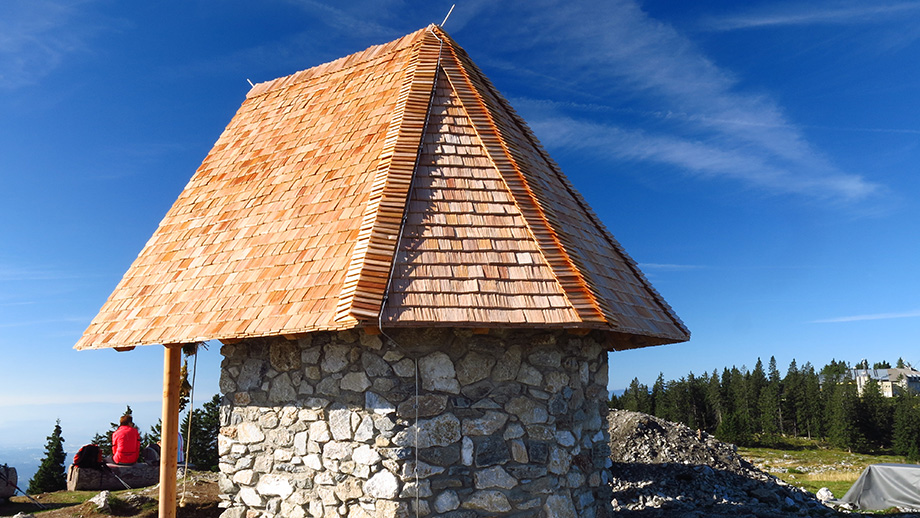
<point x="8" y="485"/>
<point x="427" y="405"/>
<point x="441" y="456"/>
<point x="91" y="479"/>
<point x="489" y="501"/>
<point x="438" y="374"/>
<point x="474" y="367"/>
<point x="491" y="451"/>
<point x="493" y="477"/>
<point x="488" y="424"/>
<point x="382" y="485"/>
<point x="284" y="356"/>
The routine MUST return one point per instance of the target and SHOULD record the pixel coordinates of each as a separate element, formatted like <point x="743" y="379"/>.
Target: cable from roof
<point x="399" y="236"/>
<point x="405" y="216"/>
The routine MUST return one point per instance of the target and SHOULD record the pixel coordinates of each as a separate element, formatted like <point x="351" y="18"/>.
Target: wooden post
<point x="169" y="430"/>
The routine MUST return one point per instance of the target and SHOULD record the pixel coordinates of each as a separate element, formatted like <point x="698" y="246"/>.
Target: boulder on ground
<point x="8" y="481"/>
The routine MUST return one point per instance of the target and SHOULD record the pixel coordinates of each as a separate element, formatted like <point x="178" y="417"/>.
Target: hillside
<point x="201" y="499"/>
<point x="659" y="469"/>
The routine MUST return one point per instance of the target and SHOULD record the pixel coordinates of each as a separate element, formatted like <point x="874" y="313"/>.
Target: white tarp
<point x="886" y="485"/>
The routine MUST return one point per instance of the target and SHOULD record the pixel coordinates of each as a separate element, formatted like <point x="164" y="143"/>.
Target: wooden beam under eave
<point x="169" y="431"/>
<point x="124" y="349"/>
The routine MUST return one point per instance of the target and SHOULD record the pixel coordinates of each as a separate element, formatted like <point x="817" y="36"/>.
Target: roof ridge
<point x="582" y="307"/>
<point x="337" y="65"/>
<point x="371" y="263"/>
<point x="579" y="199"/>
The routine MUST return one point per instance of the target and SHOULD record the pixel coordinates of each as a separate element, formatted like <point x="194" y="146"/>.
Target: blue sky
<point x="759" y="161"/>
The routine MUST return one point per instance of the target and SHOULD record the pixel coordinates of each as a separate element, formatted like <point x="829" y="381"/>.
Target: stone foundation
<point x="510" y="423"/>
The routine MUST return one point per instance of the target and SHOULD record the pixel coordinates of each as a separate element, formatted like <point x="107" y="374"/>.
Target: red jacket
<point x="126" y="445"/>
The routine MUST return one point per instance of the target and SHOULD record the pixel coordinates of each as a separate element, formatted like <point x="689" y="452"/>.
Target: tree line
<point x="202" y="448"/>
<point x="760" y="406"/>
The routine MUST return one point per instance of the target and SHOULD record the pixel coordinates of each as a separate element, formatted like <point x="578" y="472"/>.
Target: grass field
<point x="811" y="465"/>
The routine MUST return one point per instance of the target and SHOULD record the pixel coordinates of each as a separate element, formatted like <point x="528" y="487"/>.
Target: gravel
<point x="666" y="469"/>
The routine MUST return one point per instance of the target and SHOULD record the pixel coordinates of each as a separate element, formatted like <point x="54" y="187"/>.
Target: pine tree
<point x="792" y="399"/>
<point x="726" y="393"/>
<point x="678" y="398"/>
<point x="664" y="400"/>
<point x="843" y="417"/>
<point x="756" y="384"/>
<point x="50" y="475"/>
<point x="906" y="427"/>
<point x="156" y="431"/>
<point x="769" y="411"/>
<point x="714" y="400"/>
<point x="104" y="440"/>
<point x="735" y="428"/>
<point x="707" y="411"/>
<point x="202" y="444"/>
<point x="835" y="371"/>
<point x="636" y="398"/>
<point x="876" y="415"/>
<point x="812" y="403"/>
<point x="658" y="390"/>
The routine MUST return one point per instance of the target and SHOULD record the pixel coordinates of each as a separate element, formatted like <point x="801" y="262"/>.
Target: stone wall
<point x="510" y="423"/>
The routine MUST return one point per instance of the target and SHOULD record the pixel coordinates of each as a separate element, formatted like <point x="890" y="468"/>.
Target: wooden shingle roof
<point x="394" y="186"/>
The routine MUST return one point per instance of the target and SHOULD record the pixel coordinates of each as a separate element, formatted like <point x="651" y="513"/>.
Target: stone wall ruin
<point x="510" y="423"/>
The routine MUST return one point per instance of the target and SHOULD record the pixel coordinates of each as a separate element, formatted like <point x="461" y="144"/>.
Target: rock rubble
<point x="668" y="470"/>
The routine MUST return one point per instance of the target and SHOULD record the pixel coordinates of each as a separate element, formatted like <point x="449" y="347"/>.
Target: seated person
<point x="155" y="450"/>
<point x="126" y="442"/>
<point x="151" y="454"/>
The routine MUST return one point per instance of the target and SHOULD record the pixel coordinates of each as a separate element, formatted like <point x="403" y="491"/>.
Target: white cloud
<point x="699" y="118"/>
<point x="44" y="322"/>
<point x="355" y="18"/>
<point x="36" y="36"/>
<point x="17" y="273"/>
<point x="802" y="13"/>
<point x="716" y="158"/>
<point x="665" y="267"/>
<point x="874" y="316"/>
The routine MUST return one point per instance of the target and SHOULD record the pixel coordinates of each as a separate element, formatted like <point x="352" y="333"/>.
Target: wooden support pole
<point x="169" y="430"/>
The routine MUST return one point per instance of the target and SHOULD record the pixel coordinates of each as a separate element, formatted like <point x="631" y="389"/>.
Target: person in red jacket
<point x="126" y="442"/>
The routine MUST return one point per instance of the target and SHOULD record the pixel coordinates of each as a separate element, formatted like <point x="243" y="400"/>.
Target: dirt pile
<point x="666" y="469"/>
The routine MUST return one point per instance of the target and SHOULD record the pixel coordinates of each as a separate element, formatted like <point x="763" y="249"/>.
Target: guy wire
<point x="402" y="227"/>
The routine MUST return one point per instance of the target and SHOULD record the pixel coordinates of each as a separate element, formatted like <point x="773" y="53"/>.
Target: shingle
<point x="293" y="220"/>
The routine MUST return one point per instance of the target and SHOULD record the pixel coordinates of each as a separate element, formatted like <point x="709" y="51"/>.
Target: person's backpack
<point x="89" y="456"/>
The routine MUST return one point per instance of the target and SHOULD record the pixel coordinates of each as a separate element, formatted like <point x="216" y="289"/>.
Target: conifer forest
<point x="761" y="406"/>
